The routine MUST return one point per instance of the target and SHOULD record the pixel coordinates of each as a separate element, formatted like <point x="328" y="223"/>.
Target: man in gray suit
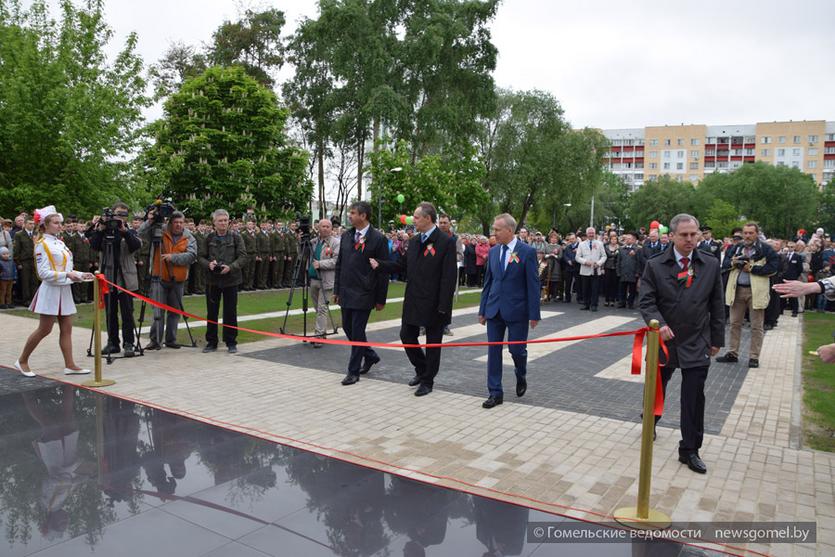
<point x="325" y="250"/>
<point x="682" y="288"/>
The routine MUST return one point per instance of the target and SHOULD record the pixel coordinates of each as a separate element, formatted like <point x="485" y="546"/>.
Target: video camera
<point x="163" y="209"/>
<point x="740" y="261"/>
<point x="112" y="225"/>
<point x="304" y="225"/>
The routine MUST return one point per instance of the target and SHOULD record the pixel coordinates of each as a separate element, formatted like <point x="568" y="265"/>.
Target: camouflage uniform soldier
<point x="250" y="245"/>
<point x="263" y="247"/>
<point x="292" y="243"/>
<point x="277" y="251"/>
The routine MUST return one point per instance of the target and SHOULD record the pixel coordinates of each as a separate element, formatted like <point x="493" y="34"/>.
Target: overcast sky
<point x="611" y="64"/>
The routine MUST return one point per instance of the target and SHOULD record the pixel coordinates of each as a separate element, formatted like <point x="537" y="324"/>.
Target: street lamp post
<point x="380" y="199"/>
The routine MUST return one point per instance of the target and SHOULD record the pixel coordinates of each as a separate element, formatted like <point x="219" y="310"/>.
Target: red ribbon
<point x="360" y="247"/>
<point x="637" y="349"/>
<point x="103" y="289"/>
<point x="429" y="250"/>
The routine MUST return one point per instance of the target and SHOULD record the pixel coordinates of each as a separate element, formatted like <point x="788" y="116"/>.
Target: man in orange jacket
<point x="177" y="251"/>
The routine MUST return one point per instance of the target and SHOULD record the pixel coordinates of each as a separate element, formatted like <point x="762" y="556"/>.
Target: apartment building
<point x="690" y="152"/>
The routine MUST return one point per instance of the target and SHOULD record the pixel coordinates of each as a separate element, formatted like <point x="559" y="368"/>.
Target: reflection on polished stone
<point x="85" y="473"/>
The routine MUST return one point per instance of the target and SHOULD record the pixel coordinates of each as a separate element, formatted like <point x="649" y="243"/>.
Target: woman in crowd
<point x="553" y="273"/>
<point x="481" y="251"/>
<point x="470" y="260"/>
<point x="610" y="269"/>
<point x="53" y="300"/>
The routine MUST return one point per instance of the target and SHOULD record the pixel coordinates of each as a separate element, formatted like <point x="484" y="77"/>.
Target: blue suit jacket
<point x="515" y="291"/>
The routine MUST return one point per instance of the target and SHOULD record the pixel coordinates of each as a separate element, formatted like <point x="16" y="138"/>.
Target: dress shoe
<point x="584" y="308"/>
<point x="753" y="362"/>
<point x="129" y="352"/>
<point x="521" y="387"/>
<point x="366" y="366"/>
<point x="173" y="345"/>
<point x="728" y="358"/>
<point x="111" y="349"/>
<point x="70" y="371"/>
<point x="492" y="401"/>
<point x="621" y="306"/>
<point x="316" y="344"/>
<point x="350" y="379"/>
<point x="153" y="345"/>
<point x="794" y="314"/>
<point x="447" y="332"/>
<point x="18" y="367"/>
<point x="232" y="349"/>
<point x="414" y="381"/>
<point x="693" y="462"/>
<point x="423" y="390"/>
<point x="209" y="348"/>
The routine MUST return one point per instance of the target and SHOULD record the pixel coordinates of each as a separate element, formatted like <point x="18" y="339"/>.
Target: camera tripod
<point x="154" y="291"/>
<point x="111" y="272"/>
<point x="300" y="275"/>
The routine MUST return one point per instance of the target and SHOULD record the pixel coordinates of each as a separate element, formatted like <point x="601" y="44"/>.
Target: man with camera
<point x="324" y="253"/>
<point x="748" y="289"/>
<point x="116" y="243"/>
<point x="224" y="256"/>
<point x="175" y="249"/>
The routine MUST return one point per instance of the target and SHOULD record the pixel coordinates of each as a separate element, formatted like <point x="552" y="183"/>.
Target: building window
<point x="781" y="152"/>
<point x="795" y="164"/>
<point x="829" y="163"/>
<point x="812" y="164"/>
<point x="653" y="154"/>
<point x="653" y="142"/>
<point x="766" y="139"/>
<point x="639" y="176"/>
<point x="722" y="164"/>
<point x="694" y="166"/>
<point x="680" y="154"/>
<point x="653" y="165"/>
<point x="750" y="139"/>
<point x="679" y="141"/>
<point x="694" y="154"/>
<point x="679" y="166"/>
<point x="795" y="152"/>
<point x="736" y="164"/>
<point x="749" y="152"/>
<point x="667" y="142"/>
<point x="796" y="139"/>
<point x="781" y="139"/>
<point x="639" y="165"/>
<point x="666" y="154"/>
<point x="666" y="166"/>
<point x="694" y="141"/>
<point x="813" y="139"/>
<point x="764" y="152"/>
<point x="812" y="152"/>
<point x="710" y="152"/>
<point x="781" y="163"/>
<point x="829" y="150"/>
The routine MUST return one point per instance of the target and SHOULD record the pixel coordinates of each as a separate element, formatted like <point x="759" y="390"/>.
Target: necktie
<point x="357" y="237"/>
<point x="590" y="247"/>
<point x="504" y="256"/>
<point x="684" y="263"/>
<point x="423" y="238"/>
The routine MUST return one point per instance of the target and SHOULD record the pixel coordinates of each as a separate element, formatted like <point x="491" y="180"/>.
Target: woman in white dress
<point x="53" y="300"/>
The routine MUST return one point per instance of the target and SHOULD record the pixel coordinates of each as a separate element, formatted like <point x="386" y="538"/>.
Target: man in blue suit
<point x="509" y="301"/>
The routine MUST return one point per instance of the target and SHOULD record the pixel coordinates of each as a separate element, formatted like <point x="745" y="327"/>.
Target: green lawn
<point x="818" y="383"/>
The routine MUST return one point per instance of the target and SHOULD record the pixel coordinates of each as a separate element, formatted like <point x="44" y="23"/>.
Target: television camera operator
<point x="116" y="242"/>
<point x="174" y="249"/>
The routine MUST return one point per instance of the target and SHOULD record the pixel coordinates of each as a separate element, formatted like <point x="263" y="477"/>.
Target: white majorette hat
<point x="41" y="214"/>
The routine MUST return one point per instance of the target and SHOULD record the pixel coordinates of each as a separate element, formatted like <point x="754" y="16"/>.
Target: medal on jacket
<point x="514" y="258"/>
<point x="429" y="249"/>
<point x="686" y="276"/>
<point x="360" y="246"/>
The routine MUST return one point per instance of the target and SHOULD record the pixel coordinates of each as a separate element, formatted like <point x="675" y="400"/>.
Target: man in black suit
<point x="793" y="271"/>
<point x="652" y="247"/>
<point x="682" y="289"/>
<point x="357" y="288"/>
<point x="431" y="274"/>
<point x="709" y="245"/>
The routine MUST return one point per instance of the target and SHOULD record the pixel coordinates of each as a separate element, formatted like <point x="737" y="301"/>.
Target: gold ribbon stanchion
<point x="642" y="516"/>
<point x="97" y="381"/>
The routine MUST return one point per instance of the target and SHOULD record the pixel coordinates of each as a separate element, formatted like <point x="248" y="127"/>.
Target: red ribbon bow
<point x="429" y="249"/>
<point x="637" y="349"/>
<point x="104" y="288"/>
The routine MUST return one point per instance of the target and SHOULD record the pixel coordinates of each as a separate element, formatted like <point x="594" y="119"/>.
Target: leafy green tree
<point x="452" y="184"/>
<point x="826" y="207"/>
<point x="661" y="200"/>
<point x="67" y="113"/>
<point x="722" y="217"/>
<point x="254" y="42"/>
<point x="222" y="144"/>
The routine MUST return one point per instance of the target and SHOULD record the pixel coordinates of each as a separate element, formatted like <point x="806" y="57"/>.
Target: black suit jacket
<point x="794" y="266"/>
<point x="431" y="273"/>
<point x="647" y="252"/>
<point x="713" y="247"/>
<point x="696" y="314"/>
<point x="355" y="282"/>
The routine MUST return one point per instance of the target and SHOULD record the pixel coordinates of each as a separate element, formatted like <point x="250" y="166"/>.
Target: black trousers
<point x="569" y="282"/>
<point x="354" y="322"/>
<point x="591" y="289"/>
<point x="426" y="362"/>
<point x="692" y="406"/>
<point x="229" y="296"/>
<point x="628" y="291"/>
<point x="611" y="283"/>
<point x="119" y="302"/>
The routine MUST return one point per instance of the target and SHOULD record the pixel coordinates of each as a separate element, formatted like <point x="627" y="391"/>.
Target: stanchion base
<point x="102" y="383"/>
<point x="656" y="520"/>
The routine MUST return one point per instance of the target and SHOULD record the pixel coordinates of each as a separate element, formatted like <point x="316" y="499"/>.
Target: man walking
<point x="590" y="257"/>
<point x="431" y="272"/>
<point x="752" y="263"/>
<point x="509" y="302"/>
<point x="357" y="288"/>
<point x="321" y="271"/>
<point x="682" y="290"/>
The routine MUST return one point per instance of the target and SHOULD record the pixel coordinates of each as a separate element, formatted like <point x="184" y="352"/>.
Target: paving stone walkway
<point x="548" y="450"/>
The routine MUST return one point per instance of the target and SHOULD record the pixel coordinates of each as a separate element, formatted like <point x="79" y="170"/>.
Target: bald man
<point x="322" y="269"/>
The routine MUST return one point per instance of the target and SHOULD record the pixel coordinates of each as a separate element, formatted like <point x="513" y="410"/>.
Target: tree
<point x="722" y="218"/>
<point x="66" y="112"/>
<point x="661" y="200"/>
<point x="826" y="207"/>
<point x="222" y="144"/>
<point x="254" y="42"/>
